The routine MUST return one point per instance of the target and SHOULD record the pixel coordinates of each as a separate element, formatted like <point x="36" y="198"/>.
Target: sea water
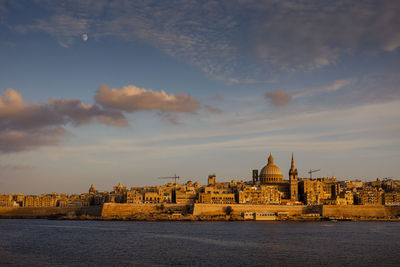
<point x="122" y="243"/>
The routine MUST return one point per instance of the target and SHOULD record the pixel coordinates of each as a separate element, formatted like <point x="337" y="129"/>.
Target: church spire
<point x="293" y="165"/>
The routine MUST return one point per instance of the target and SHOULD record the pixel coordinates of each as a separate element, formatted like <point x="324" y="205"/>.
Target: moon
<point x="85" y="37"/>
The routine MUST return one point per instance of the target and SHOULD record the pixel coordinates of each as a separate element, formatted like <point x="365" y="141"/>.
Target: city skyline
<point x="101" y="92"/>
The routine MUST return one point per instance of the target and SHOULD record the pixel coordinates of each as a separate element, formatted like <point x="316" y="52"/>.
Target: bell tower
<point x="293" y="181"/>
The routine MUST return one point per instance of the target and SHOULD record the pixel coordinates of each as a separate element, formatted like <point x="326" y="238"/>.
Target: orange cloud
<point x="131" y="98"/>
<point x="278" y="97"/>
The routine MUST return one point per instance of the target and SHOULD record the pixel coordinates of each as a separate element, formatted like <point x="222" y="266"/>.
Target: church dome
<point x="271" y="173"/>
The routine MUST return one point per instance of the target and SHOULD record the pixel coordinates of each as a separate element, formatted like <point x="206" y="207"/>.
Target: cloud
<point x="278" y="97"/>
<point x="78" y="113"/>
<point x="298" y="35"/>
<point x="179" y="30"/>
<point x="29" y="126"/>
<point x="169" y="117"/>
<point x="11" y="167"/>
<point x="218" y="97"/>
<point x="17" y="141"/>
<point x="379" y="87"/>
<point x="240" y="39"/>
<point x="66" y="28"/>
<point x="212" y="109"/>
<point x="16" y="114"/>
<point x="131" y="98"/>
<point x="330" y="87"/>
<point x="347" y="130"/>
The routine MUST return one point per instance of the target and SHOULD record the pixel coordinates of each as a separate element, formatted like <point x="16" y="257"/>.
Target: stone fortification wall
<point x="214" y="209"/>
<point x="359" y="211"/>
<point x="124" y="210"/>
<point x="34" y="212"/>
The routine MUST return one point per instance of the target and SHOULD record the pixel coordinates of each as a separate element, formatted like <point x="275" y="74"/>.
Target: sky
<point x="100" y="92"/>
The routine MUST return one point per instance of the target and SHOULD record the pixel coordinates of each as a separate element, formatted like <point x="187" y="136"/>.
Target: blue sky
<point x="126" y="91"/>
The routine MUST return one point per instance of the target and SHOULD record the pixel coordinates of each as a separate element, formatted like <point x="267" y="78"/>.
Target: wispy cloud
<point x="323" y="31"/>
<point x="379" y="87"/>
<point x="64" y="27"/>
<point x="169" y="117"/>
<point x="330" y="87"/>
<point x="341" y="132"/>
<point x="212" y="109"/>
<point x="11" y="167"/>
<point x="209" y="34"/>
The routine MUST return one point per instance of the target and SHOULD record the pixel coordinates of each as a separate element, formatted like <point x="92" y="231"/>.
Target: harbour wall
<point x="220" y="209"/>
<point x="43" y="212"/>
<point x="360" y="211"/>
<point x="125" y="210"/>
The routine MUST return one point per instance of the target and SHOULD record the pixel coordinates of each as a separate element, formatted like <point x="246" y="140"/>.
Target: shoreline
<point x="206" y="212"/>
<point x="191" y="218"/>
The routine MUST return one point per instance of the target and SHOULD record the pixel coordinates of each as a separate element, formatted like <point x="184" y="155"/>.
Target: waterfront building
<point x="134" y="197"/>
<point x="216" y="193"/>
<point x="345" y="198"/>
<point x="185" y="197"/>
<point x="268" y="188"/>
<point x="18" y="200"/>
<point x="216" y="198"/>
<point x="369" y="196"/>
<point x="5" y="200"/>
<point x="311" y="191"/>
<point x="32" y="201"/>
<point x="261" y="194"/>
<point x="391" y="199"/>
<point x="153" y="197"/>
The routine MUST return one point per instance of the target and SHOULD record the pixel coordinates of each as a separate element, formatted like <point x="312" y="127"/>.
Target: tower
<point x="293" y="181"/>
<point x="255" y="176"/>
<point x="211" y="179"/>
<point x="92" y="190"/>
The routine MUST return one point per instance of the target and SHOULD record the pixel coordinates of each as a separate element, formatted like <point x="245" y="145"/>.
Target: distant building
<point x="369" y="196"/>
<point x="391" y="199"/>
<point x="5" y="200"/>
<point x="261" y="194"/>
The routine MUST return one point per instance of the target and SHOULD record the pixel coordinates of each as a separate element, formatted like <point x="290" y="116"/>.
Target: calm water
<point x="43" y="242"/>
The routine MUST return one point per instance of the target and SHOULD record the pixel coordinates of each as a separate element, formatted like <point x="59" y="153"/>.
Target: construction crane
<point x="171" y="177"/>
<point x="311" y="172"/>
<point x="174" y="189"/>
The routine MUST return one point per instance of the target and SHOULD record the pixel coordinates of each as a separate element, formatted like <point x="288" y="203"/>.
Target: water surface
<point x="112" y="243"/>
